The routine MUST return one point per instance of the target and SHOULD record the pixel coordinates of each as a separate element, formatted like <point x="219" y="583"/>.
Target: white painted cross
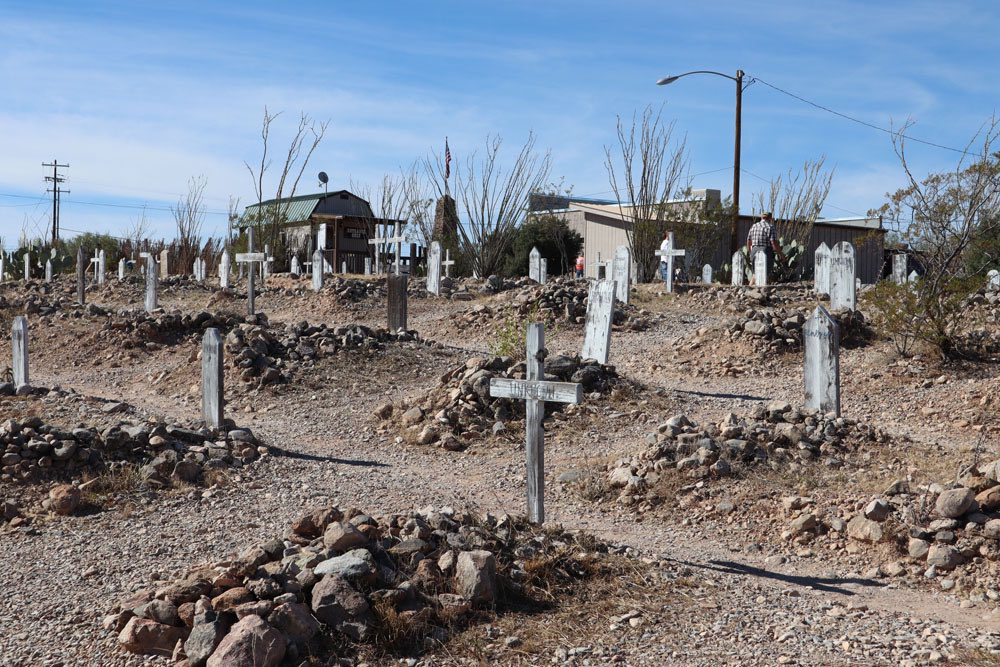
<point x="706" y="274"/>
<point x="377" y="241"/>
<point x="666" y="253"/>
<point x="447" y="263"/>
<point x="95" y="262"/>
<point x="843" y="289"/>
<point x="821" y="269"/>
<point x="535" y="391"/>
<point x="600" y="311"/>
<point x="251" y="259"/>
<point x="760" y="269"/>
<point x="621" y="267"/>
<point x="739" y="265"/>
<point x="19" y="346"/>
<point x="434" y="269"/>
<point x="821" y="369"/>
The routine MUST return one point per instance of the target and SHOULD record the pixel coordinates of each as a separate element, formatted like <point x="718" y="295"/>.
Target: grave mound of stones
<point x="780" y="327"/>
<point x="137" y="329"/>
<point x="163" y="453"/>
<point x="346" y="290"/>
<point x="337" y="579"/>
<point x="778" y="436"/>
<point x="49" y="305"/>
<point x="737" y="299"/>
<point x="946" y="534"/>
<point x="558" y="300"/>
<point x="460" y="409"/>
<point x="266" y="355"/>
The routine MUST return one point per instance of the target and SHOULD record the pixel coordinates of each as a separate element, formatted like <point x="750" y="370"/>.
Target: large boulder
<point x="343" y="536"/>
<point x="203" y="640"/>
<point x="338" y="605"/>
<point x="865" y="530"/>
<point x="989" y="500"/>
<point x="250" y="643"/>
<point x="147" y="637"/>
<point x="944" y="556"/>
<point x="295" y="621"/>
<point x="64" y="499"/>
<point x="475" y="576"/>
<point x="953" y="503"/>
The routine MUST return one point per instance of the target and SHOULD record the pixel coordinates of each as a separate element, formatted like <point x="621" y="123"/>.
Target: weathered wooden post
<point x="27" y="267"/>
<point x="368" y="266"/>
<point x="19" y="346"/>
<point x="396" y="300"/>
<point x="843" y="289"/>
<point x="535" y="391"/>
<point x="164" y="264"/>
<point x="621" y="268"/>
<point x="317" y="270"/>
<point x="434" y="269"/>
<point x="152" y="283"/>
<point x="821" y="269"/>
<point x="102" y="267"/>
<point x="600" y="312"/>
<point x="667" y="253"/>
<point x="821" y="369"/>
<point x="212" y="382"/>
<point x="224" y="270"/>
<point x="81" y="285"/>
<point x="739" y="265"/>
<point x="251" y="259"/>
<point x="760" y="269"/>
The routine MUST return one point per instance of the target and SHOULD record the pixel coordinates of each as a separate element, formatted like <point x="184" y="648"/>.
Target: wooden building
<point x="604" y="226"/>
<point x="339" y="223"/>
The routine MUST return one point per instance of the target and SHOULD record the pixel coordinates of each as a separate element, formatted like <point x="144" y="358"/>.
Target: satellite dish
<point x="323" y="178"/>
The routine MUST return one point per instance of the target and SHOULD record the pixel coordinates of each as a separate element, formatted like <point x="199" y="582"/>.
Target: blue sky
<point x="138" y="97"/>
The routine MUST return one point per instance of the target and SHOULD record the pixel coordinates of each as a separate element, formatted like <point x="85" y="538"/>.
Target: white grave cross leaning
<point x="666" y="253"/>
<point x="535" y="391"/>
<point x="821" y="368"/>
<point x="620" y="270"/>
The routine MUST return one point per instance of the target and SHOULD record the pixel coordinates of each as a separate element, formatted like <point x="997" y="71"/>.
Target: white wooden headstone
<point x="545" y="270"/>
<point x="164" y="264"/>
<point x="993" y="280"/>
<point x="434" y="269"/>
<point x="666" y="253"/>
<point x="317" y="270"/>
<point x="368" y="266"/>
<point x="48" y="270"/>
<point x="822" y="362"/>
<point x="739" y="265"/>
<point x="760" y="269"/>
<point x="843" y="289"/>
<point x="535" y="266"/>
<point x="600" y="270"/>
<point x="152" y="283"/>
<point x="535" y="391"/>
<point x="899" y="261"/>
<point x="27" y="267"/>
<point x="19" y="345"/>
<point x="706" y="274"/>
<point x="296" y="268"/>
<point x="121" y="269"/>
<point x="212" y="382"/>
<point x="600" y="312"/>
<point x="912" y="278"/>
<point x="620" y="270"/>
<point x="821" y="269"/>
<point x="224" y="269"/>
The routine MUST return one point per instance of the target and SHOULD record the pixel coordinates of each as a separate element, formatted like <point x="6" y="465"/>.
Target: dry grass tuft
<point x="977" y="657"/>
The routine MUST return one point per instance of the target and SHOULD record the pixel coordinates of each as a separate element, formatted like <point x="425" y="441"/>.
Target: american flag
<point x="447" y="159"/>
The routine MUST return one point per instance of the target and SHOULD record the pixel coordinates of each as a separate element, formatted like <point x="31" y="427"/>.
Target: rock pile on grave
<point x="777" y="436"/>
<point x="265" y="355"/>
<point x="137" y="329"/>
<point x="346" y="290"/>
<point x="946" y="533"/>
<point x="338" y="578"/>
<point x="558" y="300"/>
<point x="164" y="453"/>
<point x="781" y="327"/>
<point x="460" y="409"/>
<point x="451" y="288"/>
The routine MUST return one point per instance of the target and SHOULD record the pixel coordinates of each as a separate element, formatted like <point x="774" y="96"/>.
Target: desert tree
<point x="796" y="199"/>
<point x="189" y="217"/>
<point x="271" y="219"/>
<point x="645" y="169"/>
<point x="952" y="214"/>
<point x="494" y="199"/>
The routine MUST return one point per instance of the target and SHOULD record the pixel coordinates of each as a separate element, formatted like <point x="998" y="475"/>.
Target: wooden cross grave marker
<point x="395" y="238"/>
<point x="252" y="258"/>
<point x="666" y="254"/>
<point x="535" y="391"/>
<point x="447" y="263"/>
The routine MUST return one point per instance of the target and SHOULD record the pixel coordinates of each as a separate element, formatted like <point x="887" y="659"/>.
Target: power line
<point x="858" y="120"/>
<point x="110" y="205"/>
<point x="700" y="173"/>
<point x="56" y="191"/>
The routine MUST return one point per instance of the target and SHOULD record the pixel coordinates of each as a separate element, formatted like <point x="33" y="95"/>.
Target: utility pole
<point x="55" y="179"/>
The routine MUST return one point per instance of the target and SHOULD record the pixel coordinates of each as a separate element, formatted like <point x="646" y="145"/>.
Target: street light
<point x="736" y="153"/>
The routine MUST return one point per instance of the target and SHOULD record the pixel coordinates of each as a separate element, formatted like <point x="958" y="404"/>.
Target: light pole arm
<point x="670" y="79"/>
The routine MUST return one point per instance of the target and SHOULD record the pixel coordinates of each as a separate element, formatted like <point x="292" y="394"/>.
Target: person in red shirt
<point x="580" y="266"/>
